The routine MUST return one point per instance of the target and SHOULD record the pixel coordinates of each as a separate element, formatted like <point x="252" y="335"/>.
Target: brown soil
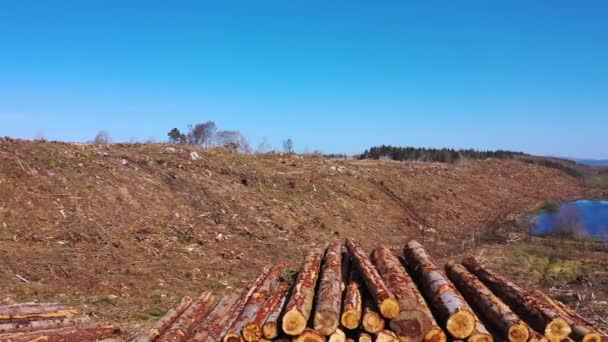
<point x="123" y="231"/>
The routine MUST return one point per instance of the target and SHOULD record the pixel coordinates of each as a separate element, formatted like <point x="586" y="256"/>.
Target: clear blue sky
<point x="337" y="76"/>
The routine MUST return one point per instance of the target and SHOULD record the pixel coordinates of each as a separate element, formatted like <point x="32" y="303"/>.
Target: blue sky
<point x="338" y="76"/>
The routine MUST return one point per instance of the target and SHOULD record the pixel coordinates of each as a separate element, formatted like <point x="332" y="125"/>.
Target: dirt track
<point x="125" y="230"/>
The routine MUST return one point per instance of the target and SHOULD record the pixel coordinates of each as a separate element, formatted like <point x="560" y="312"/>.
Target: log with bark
<point x="270" y="329"/>
<point x="352" y="308"/>
<point x="337" y="336"/>
<point x="495" y="312"/>
<point x="309" y="335"/>
<point x="480" y="333"/>
<point x="435" y="333"/>
<point x="328" y="300"/>
<point x="534" y="311"/>
<point x="253" y="329"/>
<point x="537" y="337"/>
<point x="452" y="310"/>
<point x="386" y="336"/>
<point x="168" y="319"/>
<point x="225" y="311"/>
<point x="413" y="321"/>
<point x="34" y="311"/>
<point x="254" y="304"/>
<point x="184" y="325"/>
<point x="44" y="324"/>
<point x="299" y="306"/>
<point x="385" y="300"/>
<point x="372" y="321"/>
<point x="365" y="337"/>
<point x="91" y="332"/>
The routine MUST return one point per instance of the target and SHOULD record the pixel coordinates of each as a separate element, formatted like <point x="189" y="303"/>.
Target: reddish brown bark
<point x="253" y="329"/>
<point x="371" y="320"/>
<point x="352" y="308"/>
<point x="184" y="325"/>
<point x="44" y="324"/>
<point x="270" y="329"/>
<point x="452" y="309"/>
<point x="169" y="318"/>
<point x="82" y="333"/>
<point x="299" y="306"/>
<point x="385" y="300"/>
<point x="582" y="330"/>
<point x="326" y="317"/>
<point x="32" y="311"/>
<point x="483" y="301"/>
<point x="225" y="311"/>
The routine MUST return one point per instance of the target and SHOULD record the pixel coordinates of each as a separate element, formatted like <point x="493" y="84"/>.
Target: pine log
<point x="413" y="322"/>
<point x="582" y="330"/>
<point x="352" y="308"/>
<point x="372" y="321"/>
<point x="365" y="337"/>
<point x="452" y="309"/>
<point x="253" y="305"/>
<point x="328" y="300"/>
<point x="34" y="311"/>
<point x="480" y="333"/>
<point x="537" y="337"/>
<point x="299" y="306"/>
<point x="496" y="313"/>
<point x="386" y="336"/>
<point x="385" y="300"/>
<point x="337" y="336"/>
<point x="348" y="339"/>
<point x="253" y="329"/>
<point x="92" y="332"/>
<point x="270" y="329"/>
<point x="169" y="318"/>
<point x="225" y="311"/>
<point x="183" y="327"/>
<point x="534" y="311"/>
<point x="309" y="335"/>
<point x="435" y="333"/>
<point x="44" y="324"/>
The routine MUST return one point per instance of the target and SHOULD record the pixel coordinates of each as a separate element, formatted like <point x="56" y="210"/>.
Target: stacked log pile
<point x="51" y="322"/>
<point x="341" y="294"/>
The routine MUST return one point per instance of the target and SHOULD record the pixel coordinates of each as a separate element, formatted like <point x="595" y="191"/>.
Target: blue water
<point x="587" y="218"/>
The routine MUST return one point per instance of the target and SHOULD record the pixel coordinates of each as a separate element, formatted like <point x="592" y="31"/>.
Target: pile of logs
<point x="51" y="322"/>
<point x="341" y="294"/>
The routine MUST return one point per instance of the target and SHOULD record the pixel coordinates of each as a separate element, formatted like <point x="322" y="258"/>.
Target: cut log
<point x="534" y="311"/>
<point x="92" y="332"/>
<point x="328" y="300"/>
<point x="365" y="337"/>
<point x="337" y="336"/>
<point x="253" y="329"/>
<point x="253" y="305"/>
<point x="309" y="335"/>
<point x="348" y="339"/>
<point x="480" y="333"/>
<point x="582" y="330"/>
<point x="452" y="309"/>
<point x="183" y="327"/>
<point x="537" y="337"/>
<point x="435" y="333"/>
<point x="270" y="329"/>
<point x="386" y="336"/>
<point x="495" y="312"/>
<point x="225" y="311"/>
<point x="43" y="324"/>
<point x="352" y="308"/>
<point x="384" y="299"/>
<point x="299" y="306"/>
<point x="33" y="311"/>
<point x="169" y="318"/>
<point x="413" y="322"/>
<point x="372" y="321"/>
<point x="557" y="328"/>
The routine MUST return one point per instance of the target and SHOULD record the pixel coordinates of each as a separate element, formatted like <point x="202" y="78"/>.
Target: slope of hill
<point x="124" y="230"/>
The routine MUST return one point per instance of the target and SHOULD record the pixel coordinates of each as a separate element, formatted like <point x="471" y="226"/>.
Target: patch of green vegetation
<point x="600" y="182"/>
<point x="549" y="206"/>
<point x="104" y="300"/>
<point x="289" y="275"/>
<point x="157" y="312"/>
<point x="550" y="269"/>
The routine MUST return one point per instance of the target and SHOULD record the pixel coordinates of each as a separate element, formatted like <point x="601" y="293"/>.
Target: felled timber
<point x="413" y="322"/>
<point x="337" y="336"/>
<point x="384" y="299"/>
<point x="484" y="302"/>
<point x="211" y="328"/>
<point x="309" y="335"/>
<point x="539" y="314"/>
<point x="452" y="309"/>
<point x="582" y="330"/>
<point x="184" y="325"/>
<point x="34" y="311"/>
<point x="253" y="329"/>
<point x="365" y="337"/>
<point x="480" y="333"/>
<point x="270" y="329"/>
<point x="352" y="307"/>
<point x="45" y="324"/>
<point x="162" y="325"/>
<point x="298" y="308"/>
<point x="328" y="301"/>
<point x="372" y="321"/>
<point x="92" y="332"/>
<point x="253" y="305"/>
<point x="386" y="336"/>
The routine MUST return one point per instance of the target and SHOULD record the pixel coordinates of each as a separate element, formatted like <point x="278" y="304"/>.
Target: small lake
<point x="577" y="219"/>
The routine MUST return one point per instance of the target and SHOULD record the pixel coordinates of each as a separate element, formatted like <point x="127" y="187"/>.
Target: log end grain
<point x="594" y="337"/>
<point x="309" y="335"/>
<point x="436" y="334"/>
<point x="337" y="336"/>
<point x="233" y="337"/>
<point x="325" y="323"/>
<point x="373" y="322"/>
<point x="411" y="325"/>
<point x="536" y="337"/>
<point x="386" y="336"/>
<point x="518" y="332"/>
<point x="293" y="323"/>
<point x="461" y="324"/>
<point x="389" y="308"/>
<point x="480" y="337"/>
<point x="557" y="330"/>
<point x="363" y="337"/>
<point x="252" y="332"/>
<point x="350" y="319"/>
<point x="270" y="330"/>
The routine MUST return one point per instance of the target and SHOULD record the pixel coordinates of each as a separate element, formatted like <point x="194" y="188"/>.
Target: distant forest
<point x="444" y="155"/>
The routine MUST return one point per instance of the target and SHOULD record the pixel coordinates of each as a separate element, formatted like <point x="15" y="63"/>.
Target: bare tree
<point x="102" y="137"/>
<point x="568" y="223"/>
<point x="264" y="147"/>
<point x="201" y="134"/>
<point x="288" y="146"/>
<point x="233" y="139"/>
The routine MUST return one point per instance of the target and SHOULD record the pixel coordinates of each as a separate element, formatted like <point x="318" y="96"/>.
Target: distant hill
<point x="591" y="162"/>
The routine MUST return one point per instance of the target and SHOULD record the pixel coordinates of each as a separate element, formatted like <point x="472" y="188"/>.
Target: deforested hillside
<point x="124" y="230"/>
